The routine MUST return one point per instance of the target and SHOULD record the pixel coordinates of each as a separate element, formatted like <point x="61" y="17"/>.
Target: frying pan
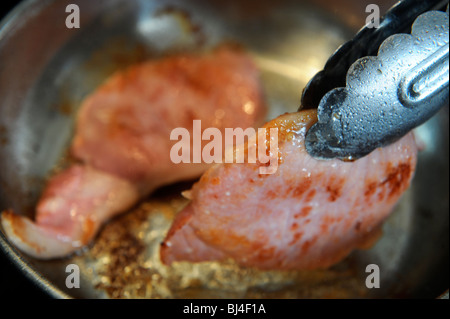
<point x="46" y="69"/>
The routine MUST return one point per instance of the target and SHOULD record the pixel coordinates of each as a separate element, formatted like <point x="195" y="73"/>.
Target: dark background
<point x="13" y="283"/>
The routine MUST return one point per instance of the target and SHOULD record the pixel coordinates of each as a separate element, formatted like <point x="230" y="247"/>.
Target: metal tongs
<point x="386" y="81"/>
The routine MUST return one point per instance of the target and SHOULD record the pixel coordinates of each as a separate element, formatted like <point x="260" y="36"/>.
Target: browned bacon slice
<point x="123" y="141"/>
<point x="309" y="214"/>
<point x="124" y="127"/>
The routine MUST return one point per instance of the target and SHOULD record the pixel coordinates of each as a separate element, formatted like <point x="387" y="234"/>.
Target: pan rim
<point x="25" y="267"/>
<point x="30" y="272"/>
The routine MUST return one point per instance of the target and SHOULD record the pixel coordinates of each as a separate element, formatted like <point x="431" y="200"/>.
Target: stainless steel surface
<point x="387" y="95"/>
<point x="45" y="72"/>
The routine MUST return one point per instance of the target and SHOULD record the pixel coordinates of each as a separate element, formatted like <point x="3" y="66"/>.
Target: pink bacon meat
<point x="73" y="206"/>
<point x="309" y="214"/>
<point x="123" y="141"/>
<point x="124" y="128"/>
